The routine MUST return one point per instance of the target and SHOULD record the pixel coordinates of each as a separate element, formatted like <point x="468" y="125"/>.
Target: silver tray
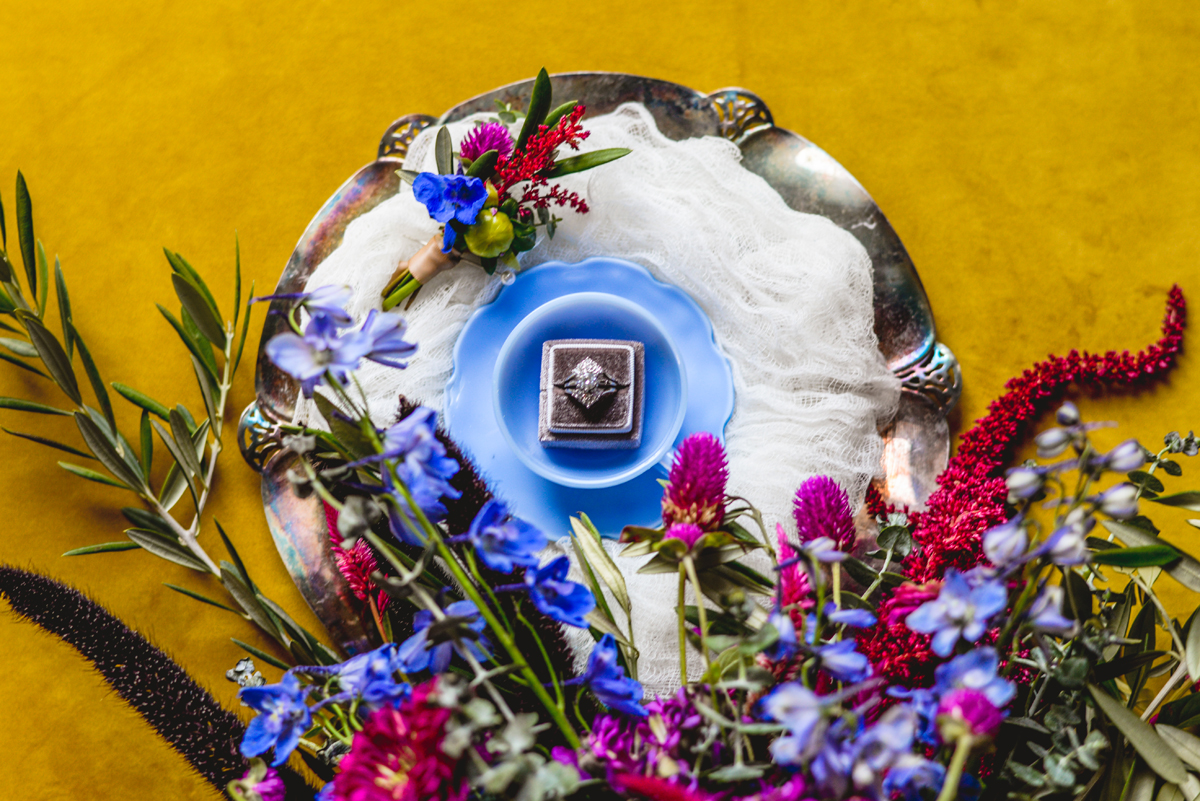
<point x="917" y="443"/>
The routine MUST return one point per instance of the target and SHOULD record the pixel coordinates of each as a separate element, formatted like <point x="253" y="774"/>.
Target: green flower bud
<point x="491" y="235"/>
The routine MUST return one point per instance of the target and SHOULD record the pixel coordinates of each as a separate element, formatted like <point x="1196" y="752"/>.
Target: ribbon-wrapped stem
<point x="413" y="273"/>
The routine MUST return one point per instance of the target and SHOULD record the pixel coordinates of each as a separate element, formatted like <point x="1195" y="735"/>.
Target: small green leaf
<point x="43" y="293"/>
<point x="141" y="400"/>
<point x="173" y="487"/>
<point x="859" y="571"/>
<point x="1158" y="755"/>
<point x="177" y="452"/>
<point x="140" y="518"/>
<point x="100" y="445"/>
<point x="443" y="151"/>
<point x="3" y="228"/>
<point x="104" y="547"/>
<point x="20" y="347"/>
<point x="50" y="443"/>
<point x="263" y="655"/>
<point x="90" y="475"/>
<point x="25" y="233"/>
<point x="484" y="166"/>
<point x="64" y="309"/>
<point x="1171" y="468"/>
<point x="586" y="161"/>
<point x="202" y="343"/>
<point x="21" y="405"/>
<point x="233" y="554"/>
<point x="1144" y="479"/>
<point x="205" y="316"/>
<point x="896" y="538"/>
<point x="22" y="365"/>
<point x="558" y="113"/>
<point x="165" y="548"/>
<point x="1184" y="500"/>
<point x="201" y="598"/>
<point x="180" y="265"/>
<point x="1142" y="556"/>
<point x="54" y="357"/>
<point x="539" y="106"/>
<point x="147" y="443"/>
<point x="190" y="344"/>
<point x="98" y="388"/>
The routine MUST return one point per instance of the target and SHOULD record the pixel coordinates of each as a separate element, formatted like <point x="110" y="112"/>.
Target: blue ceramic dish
<point x="493" y="416"/>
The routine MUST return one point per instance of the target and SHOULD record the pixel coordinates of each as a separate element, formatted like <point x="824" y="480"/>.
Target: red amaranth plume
<point x="695" y="491"/>
<point x="539" y="153"/>
<point x="356" y="564"/>
<point x="971" y="491"/>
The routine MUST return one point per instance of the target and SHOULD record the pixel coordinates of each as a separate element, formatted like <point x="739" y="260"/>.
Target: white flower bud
<point x="1023" y="483"/>
<point x="1006" y="543"/>
<point x="1052" y="442"/>
<point x="1125" y="457"/>
<point x="1120" y="501"/>
<point x="1067" y="415"/>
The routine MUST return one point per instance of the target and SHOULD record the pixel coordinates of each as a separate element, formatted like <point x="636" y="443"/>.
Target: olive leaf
<point x="50" y="443"/>
<point x="64" y="309"/>
<point x="1186" y="746"/>
<point x="539" y="106"/>
<point x="90" y="475"/>
<point x="443" y="151"/>
<point x="141" y="400"/>
<point x="586" y="161"/>
<point x="89" y="367"/>
<point x="165" y="548"/>
<point x="101" y="445"/>
<point x="22" y="405"/>
<point x="263" y="655"/>
<point x="1186" y="571"/>
<point x="1183" y="500"/>
<point x="25" y="232"/>
<point x="205" y="316"/>
<point x="199" y="597"/>
<point x="54" y="357"/>
<point x="1158" y="755"/>
<point x="1140" y="556"/>
<point x="104" y="547"/>
<point x="43" y="293"/>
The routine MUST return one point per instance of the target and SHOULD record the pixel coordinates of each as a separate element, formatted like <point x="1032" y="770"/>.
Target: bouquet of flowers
<point x="1007" y="641"/>
<point x="494" y="192"/>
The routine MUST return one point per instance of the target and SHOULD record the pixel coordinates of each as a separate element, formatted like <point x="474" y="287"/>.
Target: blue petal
<point x="258" y="737"/>
<point x="944" y="641"/>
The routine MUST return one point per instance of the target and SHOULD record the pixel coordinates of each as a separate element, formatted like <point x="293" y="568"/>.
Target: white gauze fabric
<point x="789" y="296"/>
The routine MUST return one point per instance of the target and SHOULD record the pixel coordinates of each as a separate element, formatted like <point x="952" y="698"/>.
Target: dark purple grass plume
<point x="179" y="709"/>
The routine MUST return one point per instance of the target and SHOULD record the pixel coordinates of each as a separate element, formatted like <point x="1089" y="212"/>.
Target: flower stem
<point x="682" y="627"/>
<point x="962" y="750"/>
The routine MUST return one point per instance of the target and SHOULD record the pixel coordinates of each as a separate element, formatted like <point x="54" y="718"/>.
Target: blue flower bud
<point x="1052" y="442"/>
<point x="1120" y="502"/>
<point x="1067" y="415"/>
<point x="1127" y="456"/>
<point x="1023" y="483"/>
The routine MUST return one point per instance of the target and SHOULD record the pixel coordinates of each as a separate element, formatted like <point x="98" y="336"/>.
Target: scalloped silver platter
<point x="917" y="443"/>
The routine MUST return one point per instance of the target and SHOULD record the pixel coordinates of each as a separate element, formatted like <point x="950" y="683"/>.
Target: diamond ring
<point x="588" y="384"/>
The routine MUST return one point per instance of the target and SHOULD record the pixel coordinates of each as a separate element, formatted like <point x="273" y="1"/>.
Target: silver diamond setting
<point x="588" y="384"/>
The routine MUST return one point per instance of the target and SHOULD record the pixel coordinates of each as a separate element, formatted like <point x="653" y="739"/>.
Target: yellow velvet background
<point x="1039" y="160"/>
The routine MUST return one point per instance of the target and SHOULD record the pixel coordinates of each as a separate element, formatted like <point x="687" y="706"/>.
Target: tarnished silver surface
<point x="917" y="443"/>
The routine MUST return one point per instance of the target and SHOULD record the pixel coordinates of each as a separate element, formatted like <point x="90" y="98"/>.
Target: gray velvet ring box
<point x="592" y="394"/>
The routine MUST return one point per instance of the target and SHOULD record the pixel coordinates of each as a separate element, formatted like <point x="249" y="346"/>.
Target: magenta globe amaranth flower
<point x="967" y="712"/>
<point x="822" y="509"/>
<point x="687" y="533"/>
<point x="482" y="138"/>
<point x="695" y="491"/>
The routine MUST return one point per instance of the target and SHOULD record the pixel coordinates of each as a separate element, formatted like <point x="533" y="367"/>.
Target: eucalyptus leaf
<point x="263" y="655"/>
<point x="22" y="405"/>
<point x="602" y="563"/>
<point x="165" y="548"/>
<point x="91" y="475"/>
<point x="1146" y="480"/>
<point x="102" y="447"/>
<point x="54" y="357"/>
<point x="50" y="443"/>
<point x="586" y="161"/>
<point x="1140" y="556"/>
<point x="25" y="232"/>
<point x="104" y="547"/>
<point x="200" y="597"/>
<point x="443" y="150"/>
<point x="141" y="400"/>
<point x="539" y="107"/>
<point x="1171" y="468"/>
<point x="206" y="317"/>
<point x="1186" y="571"/>
<point x="1158" y="755"/>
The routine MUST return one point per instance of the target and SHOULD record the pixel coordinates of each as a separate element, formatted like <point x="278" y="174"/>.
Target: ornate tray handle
<point x="400" y="135"/>
<point x="936" y="377"/>
<point x="740" y="111"/>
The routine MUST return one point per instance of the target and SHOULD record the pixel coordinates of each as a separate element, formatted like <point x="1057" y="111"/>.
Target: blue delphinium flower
<point x="960" y="610"/>
<point x="924" y="702"/>
<point x="785" y="646"/>
<point x="975" y="670"/>
<point x="383" y="336"/>
<point x="371" y="677"/>
<point x="911" y="774"/>
<point x="329" y="300"/>
<point x="323" y="348"/>
<point x="797" y="707"/>
<point x="1045" y="613"/>
<point x="415" y="654"/>
<point x="423" y="466"/>
<point x="823" y="549"/>
<point x="282" y="718"/>
<point x="450" y="197"/>
<point x="608" y="681"/>
<point x="855" y="618"/>
<point x="504" y="542"/>
<point x="840" y="660"/>
<point x="554" y="596"/>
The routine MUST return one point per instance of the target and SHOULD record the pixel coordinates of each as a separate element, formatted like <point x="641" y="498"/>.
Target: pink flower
<point x="398" y="756"/>
<point x="489" y="136"/>
<point x="696" y="490"/>
<point x="967" y="711"/>
<point x="687" y="532"/>
<point x="796" y="590"/>
<point x="269" y="788"/>
<point x="822" y="509"/>
<point x="905" y="600"/>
